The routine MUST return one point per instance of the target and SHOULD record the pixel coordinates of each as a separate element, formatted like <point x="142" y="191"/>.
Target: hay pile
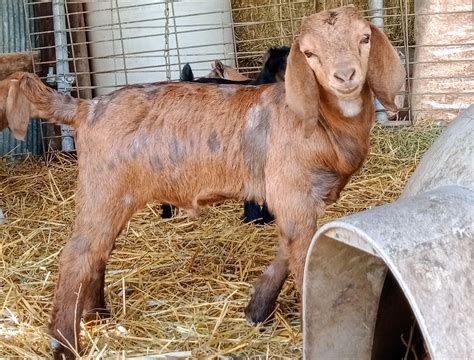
<point x="174" y="285"/>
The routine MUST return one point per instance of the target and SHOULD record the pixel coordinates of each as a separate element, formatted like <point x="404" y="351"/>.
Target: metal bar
<point x="167" y="42"/>
<point x="122" y="43"/>
<point x="62" y="65"/>
<point x="135" y="37"/>
<point x="403" y="46"/>
<point x="404" y="11"/>
<point x="176" y="36"/>
<point x="376" y="17"/>
<point x="76" y="82"/>
<point x="236" y="58"/>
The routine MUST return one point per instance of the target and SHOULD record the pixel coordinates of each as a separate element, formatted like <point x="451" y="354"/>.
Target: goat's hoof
<point x="95" y="315"/>
<point x="60" y="352"/>
<point x="259" y="312"/>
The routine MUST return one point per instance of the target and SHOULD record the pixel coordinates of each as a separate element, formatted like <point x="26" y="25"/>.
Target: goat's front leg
<point x="296" y="230"/>
<point x="267" y="288"/>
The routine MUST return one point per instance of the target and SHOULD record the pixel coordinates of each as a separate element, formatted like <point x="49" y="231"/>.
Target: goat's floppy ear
<point x="302" y="89"/>
<point x="385" y="73"/>
<point x="17" y="110"/>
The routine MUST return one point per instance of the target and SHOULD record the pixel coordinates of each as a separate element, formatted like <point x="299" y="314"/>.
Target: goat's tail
<point x="48" y="103"/>
<point x="24" y="96"/>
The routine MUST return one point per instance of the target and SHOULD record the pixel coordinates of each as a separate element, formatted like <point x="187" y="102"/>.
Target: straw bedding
<point x="174" y="285"/>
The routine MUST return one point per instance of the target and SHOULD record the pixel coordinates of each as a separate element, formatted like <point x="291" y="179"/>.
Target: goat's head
<point x="219" y="70"/>
<point x="338" y="51"/>
<point x="14" y="109"/>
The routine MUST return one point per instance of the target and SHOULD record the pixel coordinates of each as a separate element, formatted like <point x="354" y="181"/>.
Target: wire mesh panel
<point x="118" y="42"/>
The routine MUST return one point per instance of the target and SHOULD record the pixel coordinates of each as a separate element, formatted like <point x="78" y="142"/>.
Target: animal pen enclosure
<point x="177" y="286"/>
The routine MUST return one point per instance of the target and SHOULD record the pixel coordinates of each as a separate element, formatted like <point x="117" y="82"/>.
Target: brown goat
<point x="294" y="144"/>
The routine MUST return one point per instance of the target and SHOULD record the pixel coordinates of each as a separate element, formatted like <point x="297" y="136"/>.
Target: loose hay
<point x="172" y="285"/>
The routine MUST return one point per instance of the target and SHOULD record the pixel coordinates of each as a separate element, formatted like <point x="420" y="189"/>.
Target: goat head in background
<point x="219" y="70"/>
<point x="294" y="145"/>
<point x="15" y="109"/>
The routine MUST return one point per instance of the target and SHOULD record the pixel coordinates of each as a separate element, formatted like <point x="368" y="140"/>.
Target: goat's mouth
<point x="347" y="93"/>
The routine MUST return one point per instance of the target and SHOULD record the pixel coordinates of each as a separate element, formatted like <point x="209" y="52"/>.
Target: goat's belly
<point x="192" y="187"/>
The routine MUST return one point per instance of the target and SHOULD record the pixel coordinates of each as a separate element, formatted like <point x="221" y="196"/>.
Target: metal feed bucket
<point x="424" y="241"/>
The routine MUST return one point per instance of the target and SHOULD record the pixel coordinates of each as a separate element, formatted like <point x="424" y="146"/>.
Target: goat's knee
<point x="297" y="251"/>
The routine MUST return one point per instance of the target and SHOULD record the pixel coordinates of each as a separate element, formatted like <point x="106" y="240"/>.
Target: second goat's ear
<point x="385" y="73"/>
<point x="302" y="89"/>
<point x="17" y="111"/>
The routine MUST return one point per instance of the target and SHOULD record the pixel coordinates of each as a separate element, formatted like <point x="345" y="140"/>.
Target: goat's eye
<point x="365" y="39"/>
<point x="308" y="54"/>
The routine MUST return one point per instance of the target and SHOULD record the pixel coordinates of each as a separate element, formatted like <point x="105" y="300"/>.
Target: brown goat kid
<point x="294" y="144"/>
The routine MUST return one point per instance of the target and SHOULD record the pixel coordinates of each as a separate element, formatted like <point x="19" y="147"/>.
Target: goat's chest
<point x="334" y="166"/>
<point x="325" y="184"/>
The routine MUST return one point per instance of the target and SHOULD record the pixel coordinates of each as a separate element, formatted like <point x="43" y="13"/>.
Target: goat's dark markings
<point x="255" y="140"/>
<point x="111" y="165"/>
<point x="80" y="245"/>
<point x="177" y="150"/>
<point x="325" y="185"/>
<point x="332" y="18"/>
<point x="288" y="231"/>
<point x="156" y="163"/>
<point x="213" y="142"/>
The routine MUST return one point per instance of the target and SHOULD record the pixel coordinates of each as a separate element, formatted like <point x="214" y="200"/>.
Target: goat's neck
<point x="349" y="136"/>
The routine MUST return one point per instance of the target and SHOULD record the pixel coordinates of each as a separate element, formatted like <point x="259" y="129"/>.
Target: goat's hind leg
<point x="252" y="213"/>
<point x="95" y="307"/>
<point x="81" y="271"/>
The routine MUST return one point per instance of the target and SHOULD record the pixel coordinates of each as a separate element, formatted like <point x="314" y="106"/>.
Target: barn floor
<point x="172" y="285"/>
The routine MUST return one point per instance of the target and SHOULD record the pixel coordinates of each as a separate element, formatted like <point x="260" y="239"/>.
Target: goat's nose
<point x="344" y="75"/>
